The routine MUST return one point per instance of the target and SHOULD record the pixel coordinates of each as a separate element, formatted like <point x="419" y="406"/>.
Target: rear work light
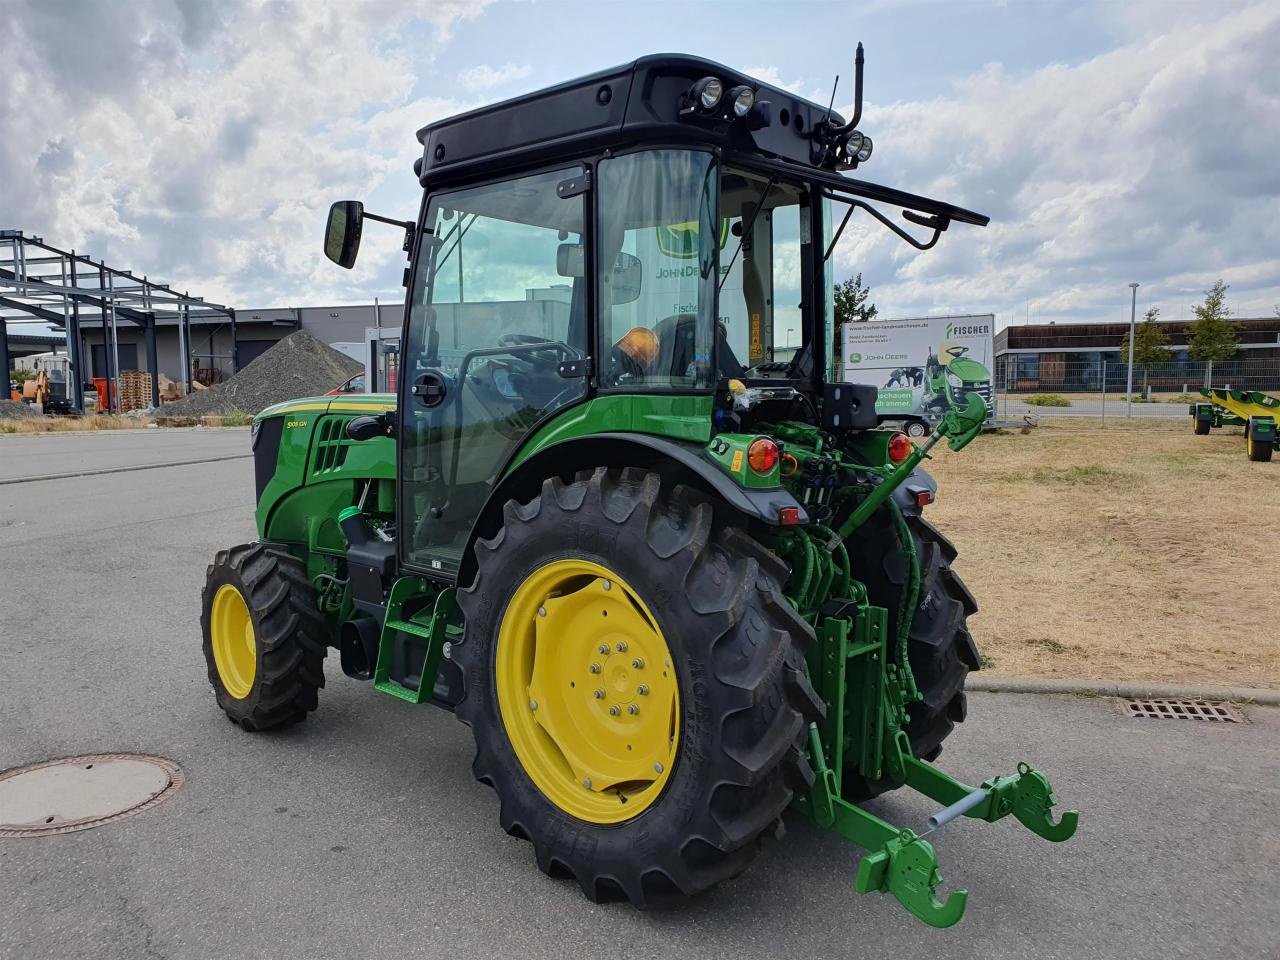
<point x="923" y="498"/>
<point x="762" y="455"/>
<point x="899" y="447"/>
<point x="789" y="516"/>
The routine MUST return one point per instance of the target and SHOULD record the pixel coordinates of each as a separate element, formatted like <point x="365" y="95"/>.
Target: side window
<point x="506" y="263"/>
<point x="760" y="310"/>
<point x="657" y="270"/>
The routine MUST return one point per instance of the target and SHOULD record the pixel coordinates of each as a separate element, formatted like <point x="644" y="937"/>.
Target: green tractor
<point x="659" y="560"/>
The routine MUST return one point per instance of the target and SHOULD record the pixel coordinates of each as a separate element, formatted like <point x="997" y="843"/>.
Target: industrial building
<point x="108" y="320"/>
<point x="1061" y="357"/>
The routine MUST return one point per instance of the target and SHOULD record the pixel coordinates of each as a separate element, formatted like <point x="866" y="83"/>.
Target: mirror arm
<point x="937" y="222"/>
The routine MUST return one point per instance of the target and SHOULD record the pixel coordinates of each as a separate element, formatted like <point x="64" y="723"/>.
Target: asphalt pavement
<point x="31" y="455"/>
<point x="361" y="832"/>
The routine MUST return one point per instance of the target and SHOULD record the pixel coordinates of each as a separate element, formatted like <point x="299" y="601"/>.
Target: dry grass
<point x="1134" y="551"/>
<point x="69" y="424"/>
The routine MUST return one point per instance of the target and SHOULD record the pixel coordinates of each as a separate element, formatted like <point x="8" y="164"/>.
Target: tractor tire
<point x="1201" y="427"/>
<point x="264" y="638"/>
<point x="939" y="647"/>
<point x="1259" y="451"/>
<point x="705" y="595"/>
<point x="917" y="428"/>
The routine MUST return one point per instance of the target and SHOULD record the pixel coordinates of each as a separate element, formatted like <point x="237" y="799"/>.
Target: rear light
<point x="923" y="498"/>
<point x="762" y="455"/>
<point x="789" y="516"/>
<point x="899" y="447"/>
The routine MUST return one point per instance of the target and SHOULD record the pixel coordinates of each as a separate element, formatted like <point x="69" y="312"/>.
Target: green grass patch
<point x="236" y="418"/>
<point x="1046" y="400"/>
<point x="1090" y="475"/>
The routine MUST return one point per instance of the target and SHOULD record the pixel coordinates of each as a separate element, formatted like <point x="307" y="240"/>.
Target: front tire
<point x="1201" y="426"/>
<point x="264" y="638"/>
<point x="711" y="595"/>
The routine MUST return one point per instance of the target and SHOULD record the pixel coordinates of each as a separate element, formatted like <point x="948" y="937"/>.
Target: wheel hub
<point x="587" y="691"/>
<point x="235" y="652"/>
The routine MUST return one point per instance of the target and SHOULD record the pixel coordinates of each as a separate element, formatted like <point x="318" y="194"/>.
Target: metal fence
<point x="1098" y="387"/>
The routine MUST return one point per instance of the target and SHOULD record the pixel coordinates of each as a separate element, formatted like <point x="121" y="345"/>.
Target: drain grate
<point x="1176" y="709"/>
<point x="76" y="793"/>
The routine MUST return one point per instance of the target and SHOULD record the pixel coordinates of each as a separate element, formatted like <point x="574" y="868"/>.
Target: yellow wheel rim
<point x="235" y="653"/>
<point x="587" y="691"/>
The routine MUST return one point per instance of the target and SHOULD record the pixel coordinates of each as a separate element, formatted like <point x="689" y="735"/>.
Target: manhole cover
<point x="76" y="793"/>
<point x="1167" y="709"/>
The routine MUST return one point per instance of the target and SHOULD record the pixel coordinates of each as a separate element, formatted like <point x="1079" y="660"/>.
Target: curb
<point x="129" y="469"/>
<point x="1108" y="688"/>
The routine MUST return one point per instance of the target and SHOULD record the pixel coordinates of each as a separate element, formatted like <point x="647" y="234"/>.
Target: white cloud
<point x="483" y="77"/>
<point x="1154" y="162"/>
<point x="202" y="142"/>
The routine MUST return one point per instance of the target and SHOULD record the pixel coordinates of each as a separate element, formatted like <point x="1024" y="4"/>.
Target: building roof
<point x="1066" y="337"/>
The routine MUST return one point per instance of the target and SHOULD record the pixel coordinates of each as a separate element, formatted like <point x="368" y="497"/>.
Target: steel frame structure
<point x="72" y="291"/>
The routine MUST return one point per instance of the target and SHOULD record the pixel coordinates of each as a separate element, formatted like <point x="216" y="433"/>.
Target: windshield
<point x="657" y="270"/>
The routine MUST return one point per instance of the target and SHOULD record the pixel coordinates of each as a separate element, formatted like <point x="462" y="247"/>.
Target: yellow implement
<point x="1257" y="412"/>
<point x="1244" y="403"/>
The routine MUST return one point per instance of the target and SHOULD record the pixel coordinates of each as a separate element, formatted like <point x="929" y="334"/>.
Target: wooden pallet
<point x="135" y="390"/>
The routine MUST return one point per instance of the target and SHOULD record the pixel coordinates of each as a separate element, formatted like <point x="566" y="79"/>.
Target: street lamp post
<point x="1128" y="390"/>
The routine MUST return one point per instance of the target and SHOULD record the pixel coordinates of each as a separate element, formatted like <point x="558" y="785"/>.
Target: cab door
<point x="496" y="322"/>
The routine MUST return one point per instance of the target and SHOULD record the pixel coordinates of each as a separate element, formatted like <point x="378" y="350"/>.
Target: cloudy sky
<point x="201" y="141"/>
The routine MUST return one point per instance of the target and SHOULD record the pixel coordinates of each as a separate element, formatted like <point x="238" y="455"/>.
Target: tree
<point x="1211" y="335"/>
<point x="851" y="307"/>
<point x="1150" y="347"/>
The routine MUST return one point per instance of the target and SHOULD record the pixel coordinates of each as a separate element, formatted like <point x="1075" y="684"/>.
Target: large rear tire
<point x="940" y="649"/>
<point x="542" y="681"/>
<point x="264" y="638"/>
<point x="1201" y="426"/>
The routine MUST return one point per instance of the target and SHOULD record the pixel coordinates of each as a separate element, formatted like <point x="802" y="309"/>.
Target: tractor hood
<point x="970" y="371"/>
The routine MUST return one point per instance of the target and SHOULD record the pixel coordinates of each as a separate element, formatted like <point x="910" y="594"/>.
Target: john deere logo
<point x="854" y="358"/>
<point x="680" y="240"/>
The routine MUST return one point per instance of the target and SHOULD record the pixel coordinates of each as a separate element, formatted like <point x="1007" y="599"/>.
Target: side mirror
<point x="342" y="233"/>
<point x="366" y="428"/>
<point x="627" y="275"/>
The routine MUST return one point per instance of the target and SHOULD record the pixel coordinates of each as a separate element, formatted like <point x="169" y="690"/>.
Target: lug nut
<point x="542" y="611"/>
<point x="633" y="710"/>
<point x="608" y="585"/>
<point x="657" y="768"/>
<point x="643" y="689"/>
<point x="638" y="663"/>
<point x="599" y="694"/>
<point x="622" y="646"/>
<point x="533" y="704"/>
<point x="586" y="782"/>
<point x="604" y="649"/>
<point x="614" y="710"/>
<point x="594" y="668"/>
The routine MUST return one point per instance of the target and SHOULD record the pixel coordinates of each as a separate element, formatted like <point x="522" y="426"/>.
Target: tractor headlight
<point x="743" y="99"/>
<point x="254" y="430"/>
<point x="954" y="381"/>
<point x="706" y="93"/>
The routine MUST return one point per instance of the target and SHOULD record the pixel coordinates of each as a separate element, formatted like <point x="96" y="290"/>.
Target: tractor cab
<point x="645" y="240"/>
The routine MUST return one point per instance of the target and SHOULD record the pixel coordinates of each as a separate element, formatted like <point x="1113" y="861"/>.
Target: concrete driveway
<point x="361" y="833"/>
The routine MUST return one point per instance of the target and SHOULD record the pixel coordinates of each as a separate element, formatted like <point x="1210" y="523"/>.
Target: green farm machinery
<point x="1257" y="412"/>
<point x="659" y="559"/>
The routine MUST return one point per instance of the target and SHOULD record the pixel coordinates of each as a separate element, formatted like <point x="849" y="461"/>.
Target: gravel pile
<point x="297" y="366"/>
<point x="13" y="410"/>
